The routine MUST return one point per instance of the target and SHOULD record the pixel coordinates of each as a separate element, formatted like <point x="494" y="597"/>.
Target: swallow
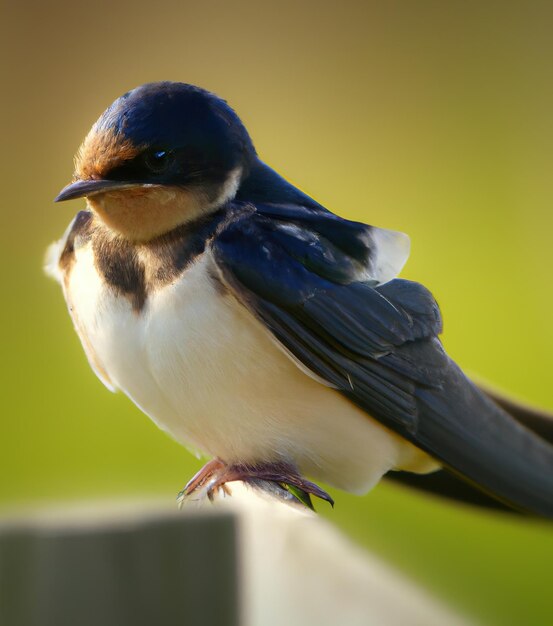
<point x="260" y="329"/>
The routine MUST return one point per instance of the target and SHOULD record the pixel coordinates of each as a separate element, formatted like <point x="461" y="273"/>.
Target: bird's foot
<point x="278" y="478"/>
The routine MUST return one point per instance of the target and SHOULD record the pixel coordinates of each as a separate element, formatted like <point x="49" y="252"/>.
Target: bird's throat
<point x="143" y="213"/>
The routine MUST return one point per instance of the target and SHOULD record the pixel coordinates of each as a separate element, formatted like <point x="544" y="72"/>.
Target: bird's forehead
<point x="101" y="151"/>
<point x="161" y="116"/>
<point x="153" y="114"/>
<point x="119" y="135"/>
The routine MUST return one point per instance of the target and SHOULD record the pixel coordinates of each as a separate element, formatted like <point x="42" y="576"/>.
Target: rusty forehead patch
<point x="101" y="151"/>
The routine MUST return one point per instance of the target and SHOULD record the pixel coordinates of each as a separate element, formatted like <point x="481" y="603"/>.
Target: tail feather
<point x="478" y="440"/>
<point x="538" y="420"/>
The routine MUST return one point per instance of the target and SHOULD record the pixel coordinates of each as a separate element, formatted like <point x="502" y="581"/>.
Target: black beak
<point x="82" y="188"/>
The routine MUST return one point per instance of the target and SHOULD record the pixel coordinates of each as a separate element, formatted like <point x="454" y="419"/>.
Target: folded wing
<point x="323" y="287"/>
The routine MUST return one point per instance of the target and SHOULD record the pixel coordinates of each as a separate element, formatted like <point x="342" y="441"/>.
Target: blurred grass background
<point x="428" y="117"/>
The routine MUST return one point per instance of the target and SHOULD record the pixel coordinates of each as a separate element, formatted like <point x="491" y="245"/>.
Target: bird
<point x="261" y="330"/>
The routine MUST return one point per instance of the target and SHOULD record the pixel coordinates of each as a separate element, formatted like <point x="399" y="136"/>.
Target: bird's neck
<point x="152" y="211"/>
<point x="264" y="185"/>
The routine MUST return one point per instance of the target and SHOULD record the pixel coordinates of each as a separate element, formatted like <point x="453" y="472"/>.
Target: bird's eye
<point x="157" y="161"/>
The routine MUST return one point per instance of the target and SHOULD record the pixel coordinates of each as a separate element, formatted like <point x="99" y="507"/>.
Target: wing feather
<point x="310" y="278"/>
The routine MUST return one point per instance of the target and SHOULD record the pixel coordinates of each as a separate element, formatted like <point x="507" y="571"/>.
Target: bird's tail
<point x="538" y="420"/>
<point x="476" y="439"/>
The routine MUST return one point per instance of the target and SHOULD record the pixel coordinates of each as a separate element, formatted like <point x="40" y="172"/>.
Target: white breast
<point x="209" y="374"/>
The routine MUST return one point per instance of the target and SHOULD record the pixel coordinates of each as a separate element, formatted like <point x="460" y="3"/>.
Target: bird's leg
<point x="202" y="479"/>
<point x="278" y="478"/>
<point x="199" y="479"/>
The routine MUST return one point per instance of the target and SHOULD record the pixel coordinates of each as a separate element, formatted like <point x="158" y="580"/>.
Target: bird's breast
<point x="207" y="372"/>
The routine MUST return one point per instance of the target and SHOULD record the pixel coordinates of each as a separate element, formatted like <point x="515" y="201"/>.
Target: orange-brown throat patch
<point x="143" y="213"/>
<point x="100" y="152"/>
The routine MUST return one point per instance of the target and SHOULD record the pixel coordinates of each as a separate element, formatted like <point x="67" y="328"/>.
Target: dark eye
<point x="157" y="161"/>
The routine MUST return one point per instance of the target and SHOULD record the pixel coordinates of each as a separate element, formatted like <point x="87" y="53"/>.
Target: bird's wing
<point x="316" y="281"/>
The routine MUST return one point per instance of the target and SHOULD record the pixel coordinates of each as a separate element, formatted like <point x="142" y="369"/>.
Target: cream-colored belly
<point x="209" y="374"/>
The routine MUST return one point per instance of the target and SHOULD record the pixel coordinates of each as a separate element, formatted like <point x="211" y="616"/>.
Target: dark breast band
<point x="134" y="270"/>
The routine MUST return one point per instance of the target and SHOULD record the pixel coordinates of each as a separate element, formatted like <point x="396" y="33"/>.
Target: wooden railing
<point x="246" y="561"/>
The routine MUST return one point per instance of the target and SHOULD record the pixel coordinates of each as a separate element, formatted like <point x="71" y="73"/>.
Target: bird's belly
<point x="207" y="372"/>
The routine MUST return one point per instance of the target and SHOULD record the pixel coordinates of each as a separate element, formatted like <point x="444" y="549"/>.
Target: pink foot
<point x="280" y="479"/>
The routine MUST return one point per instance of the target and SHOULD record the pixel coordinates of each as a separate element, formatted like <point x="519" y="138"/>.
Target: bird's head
<point x="161" y="155"/>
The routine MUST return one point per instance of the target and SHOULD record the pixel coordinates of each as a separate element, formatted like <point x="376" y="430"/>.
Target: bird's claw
<point x="279" y="479"/>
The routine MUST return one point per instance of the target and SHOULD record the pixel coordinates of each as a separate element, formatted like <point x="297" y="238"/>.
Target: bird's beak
<point x="81" y="188"/>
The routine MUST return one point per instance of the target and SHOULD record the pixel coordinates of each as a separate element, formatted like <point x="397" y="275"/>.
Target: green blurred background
<point x="434" y="118"/>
